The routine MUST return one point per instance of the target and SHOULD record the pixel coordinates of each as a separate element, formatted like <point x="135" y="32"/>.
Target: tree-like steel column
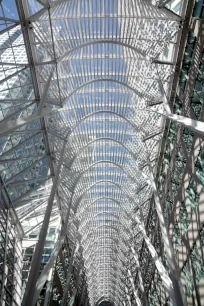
<point x="128" y="296"/>
<point x="4" y="274"/>
<point x="48" y="288"/>
<point x="195" y="125"/>
<point x="157" y="261"/>
<point x="69" y="272"/>
<point x="45" y="273"/>
<point x="139" y="275"/>
<point x="28" y="298"/>
<point x="178" y="292"/>
<point x="137" y="299"/>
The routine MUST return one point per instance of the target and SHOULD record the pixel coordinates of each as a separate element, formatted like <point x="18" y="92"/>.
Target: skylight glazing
<point x="104" y="62"/>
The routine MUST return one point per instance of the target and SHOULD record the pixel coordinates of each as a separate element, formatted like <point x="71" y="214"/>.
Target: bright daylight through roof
<point x="102" y="152"/>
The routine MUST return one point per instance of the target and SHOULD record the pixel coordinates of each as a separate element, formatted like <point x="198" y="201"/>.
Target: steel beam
<point x="26" y="202"/>
<point x="128" y="296"/>
<point x="12" y="125"/>
<point x="33" y="208"/>
<point x="44" y="95"/>
<point x="48" y="288"/>
<point x="139" y="275"/>
<point x="44" y="274"/>
<point x="69" y="272"/>
<point x="137" y="299"/>
<point x="8" y="29"/>
<point x="34" y="271"/>
<point x="4" y="274"/>
<point x="9" y="20"/>
<point x="178" y="296"/>
<point x="36" y="226"/>
<point x="12" y="75"/>
<point x="25" y="181"/>
<point x="36" y="16"/>
<point x="194" y="125"/>
<point x="16" y="112"/>
<point x="43" y="2"/>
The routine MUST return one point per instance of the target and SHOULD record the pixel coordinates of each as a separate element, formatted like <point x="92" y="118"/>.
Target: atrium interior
<point x="102" y="152"/>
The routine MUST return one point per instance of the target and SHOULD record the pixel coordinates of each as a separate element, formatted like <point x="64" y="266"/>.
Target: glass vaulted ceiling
<point x="106" y="61"/>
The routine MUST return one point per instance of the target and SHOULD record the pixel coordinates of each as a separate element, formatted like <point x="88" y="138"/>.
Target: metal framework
<point x="85" y="88"/>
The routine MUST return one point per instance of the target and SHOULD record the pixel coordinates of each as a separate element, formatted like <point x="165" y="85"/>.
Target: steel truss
<point x="100" y="97"/>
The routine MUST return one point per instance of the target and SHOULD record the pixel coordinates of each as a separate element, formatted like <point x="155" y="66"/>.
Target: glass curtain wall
<point x="101" y="69"/>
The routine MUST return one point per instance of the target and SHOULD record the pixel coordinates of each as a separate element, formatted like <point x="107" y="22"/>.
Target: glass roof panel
<point x="105" y="61"/>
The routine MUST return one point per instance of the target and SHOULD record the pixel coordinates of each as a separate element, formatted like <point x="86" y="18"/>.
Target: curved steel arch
<point x="102" y="138"/>
<point x="104" y="181"/>
<point x="139" y="94"/>
<point x="117" y="202"/>
<point x="81" y="177"/>
<point x="114" y="270"/>
<point x="90" y="243"/>
<point x="94" y="215"/>
<point x="80" y="174"/>
<point x="139" y="129"/>
<point x="105" y="299"/>
<point x="101" y="41"/>
<point x="98" y="182"/>
<point x="113" y="287"/>
<point x="116" y="287"/>
<point x="98" y="227"/>
<point x="92" y="263"/>
<point x="107" y="162"/>
<point x="97" y="267"/>
<point x="100" y="300"/>
<point x="110" y="275"/>
<point x="114" y="267"/>
<point x="111" y="271"/>
<point x="101" y="198"/>
<point x="95" y="262"/>
<point x="99" y="237"/>
<point x="81" y="149"/>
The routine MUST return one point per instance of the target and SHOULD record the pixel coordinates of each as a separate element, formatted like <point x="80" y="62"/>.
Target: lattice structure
<point x="85" y="90"/>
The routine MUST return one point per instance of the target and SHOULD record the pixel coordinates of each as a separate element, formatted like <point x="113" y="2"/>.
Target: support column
<point x="34" y="271"/>
<point x="137" y="299"/>
<point x="158" y="263"/>
<point x="69" y="272"/>
<point x="82" y="293"/>
<point x="18" y="270"/>
<point x="49" y="288"/>
<point x="5" y="266"/>
<point x="179" y="297"/>
<point x="86" y="302"/>
<point x="128" y="296"/>
<point x="44" y="95"/>
<point x="71" y="302"/>
<point x="194" y="125"/>
<point x="139" y="276"/>
<point x="45" y="273"/>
